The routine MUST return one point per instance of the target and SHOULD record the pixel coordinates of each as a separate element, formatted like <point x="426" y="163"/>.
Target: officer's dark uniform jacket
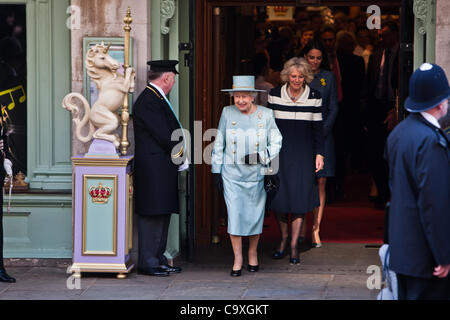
<point x="419" y="220"/>
<point x="156" y="175"/>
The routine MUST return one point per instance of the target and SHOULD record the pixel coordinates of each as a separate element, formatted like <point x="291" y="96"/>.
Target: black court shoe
<point x="253" y="268"/>
<point x="294" y="259"/>
<point x="235" y="273"/>
<point x="279" y="254"/>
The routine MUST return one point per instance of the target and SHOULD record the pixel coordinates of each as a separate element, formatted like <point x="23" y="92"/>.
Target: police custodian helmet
<point x="428" y="87"/>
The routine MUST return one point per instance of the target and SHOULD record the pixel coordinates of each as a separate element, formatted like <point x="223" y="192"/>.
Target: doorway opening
<point x="239" y="38"/>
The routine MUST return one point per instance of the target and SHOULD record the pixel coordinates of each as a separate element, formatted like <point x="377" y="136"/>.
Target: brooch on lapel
<point x="323" y="82"/>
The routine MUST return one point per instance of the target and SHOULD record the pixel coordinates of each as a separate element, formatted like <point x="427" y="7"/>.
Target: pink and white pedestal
<point x="102" y="204"/>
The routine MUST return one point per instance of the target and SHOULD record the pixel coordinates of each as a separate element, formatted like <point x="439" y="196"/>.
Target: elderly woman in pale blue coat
<point x="247" y="140"/>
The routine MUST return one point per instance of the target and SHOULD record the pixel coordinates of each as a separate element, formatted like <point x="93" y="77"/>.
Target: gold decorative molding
<point x="84" y="251"/>
<point x="125" y="115"/>
<point x="101" y="162"/>
<point x="129" y="214"/>
<point x="102" y="267"/>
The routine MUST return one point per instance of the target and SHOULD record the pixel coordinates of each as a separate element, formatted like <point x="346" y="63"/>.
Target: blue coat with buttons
<point x="239" y="135"/>
<point x="419" y="218"/>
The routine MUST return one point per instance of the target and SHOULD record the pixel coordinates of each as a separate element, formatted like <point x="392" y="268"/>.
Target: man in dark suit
<point x="381" y="86"/>
<point x="349" y="71"/>
<point x="348" y="127"/>
<point x="156" y="165"/>
<point x="418" y="154"/>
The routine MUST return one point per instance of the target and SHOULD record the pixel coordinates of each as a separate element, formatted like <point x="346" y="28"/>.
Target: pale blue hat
<point x="243" y="83"/>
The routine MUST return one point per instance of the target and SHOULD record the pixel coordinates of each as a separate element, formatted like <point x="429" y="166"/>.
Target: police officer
<point x="419" y="219"/>
<point x="157" y="162"/>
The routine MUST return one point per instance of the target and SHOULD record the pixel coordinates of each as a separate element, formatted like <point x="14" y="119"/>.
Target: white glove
<point x="7" y="164"/>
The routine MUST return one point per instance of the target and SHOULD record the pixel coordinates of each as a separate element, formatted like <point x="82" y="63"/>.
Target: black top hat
<point x="163" y="65"/>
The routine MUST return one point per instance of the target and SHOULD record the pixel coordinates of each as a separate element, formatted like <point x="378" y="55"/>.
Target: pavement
<point x="336" y="271"/>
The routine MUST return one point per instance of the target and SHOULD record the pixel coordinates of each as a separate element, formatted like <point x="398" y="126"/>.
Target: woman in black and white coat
<point x="298" y="115"/>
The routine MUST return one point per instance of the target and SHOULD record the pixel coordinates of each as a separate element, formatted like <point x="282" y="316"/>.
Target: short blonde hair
<point x="299" y="64"/>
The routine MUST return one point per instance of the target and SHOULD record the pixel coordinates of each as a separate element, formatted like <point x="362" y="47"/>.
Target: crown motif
<point x="280" y="10"/>
<point x="100" y="194"/>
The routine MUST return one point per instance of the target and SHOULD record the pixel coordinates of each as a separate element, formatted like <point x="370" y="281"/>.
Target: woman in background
<point x="325" y="82"/>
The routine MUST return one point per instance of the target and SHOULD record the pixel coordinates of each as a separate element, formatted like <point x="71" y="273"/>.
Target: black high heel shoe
<point x="235" y="273"/>
<point x="253" y="268"/>
<point x="294" y="259"/>
<point x="279" y="254"/>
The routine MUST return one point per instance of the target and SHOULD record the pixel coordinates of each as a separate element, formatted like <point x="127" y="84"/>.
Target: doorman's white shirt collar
<point x="159" y="89"/>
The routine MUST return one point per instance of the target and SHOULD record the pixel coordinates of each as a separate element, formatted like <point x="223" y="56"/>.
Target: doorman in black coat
<point x="418" y="155"/>
<point x="157" y="160"/>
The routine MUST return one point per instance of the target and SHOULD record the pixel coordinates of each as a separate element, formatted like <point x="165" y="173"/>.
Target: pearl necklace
<point x="294" y="98"/>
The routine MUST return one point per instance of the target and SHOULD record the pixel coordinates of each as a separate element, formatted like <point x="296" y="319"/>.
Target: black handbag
<point x="271" y="183"/>
<point x="271" y="179"/>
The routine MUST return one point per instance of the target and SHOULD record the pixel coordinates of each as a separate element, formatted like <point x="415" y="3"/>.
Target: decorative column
<point x="424" y="31"/>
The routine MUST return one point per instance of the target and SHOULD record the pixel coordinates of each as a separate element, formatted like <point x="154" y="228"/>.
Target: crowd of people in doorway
<point x="364" y="65"/>
<point x="331" y="90"/>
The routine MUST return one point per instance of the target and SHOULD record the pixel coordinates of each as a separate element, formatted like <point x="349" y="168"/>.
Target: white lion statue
<point x="112" y="88"/>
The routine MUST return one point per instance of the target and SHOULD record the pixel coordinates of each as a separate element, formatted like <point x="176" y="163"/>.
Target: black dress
<point x="300" y="124"/>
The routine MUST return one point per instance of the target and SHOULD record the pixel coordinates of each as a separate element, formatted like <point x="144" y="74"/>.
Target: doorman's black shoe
<point x="170" y="269"/>
<point x="157" y="272"/>
<point x="4" y="277"/>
